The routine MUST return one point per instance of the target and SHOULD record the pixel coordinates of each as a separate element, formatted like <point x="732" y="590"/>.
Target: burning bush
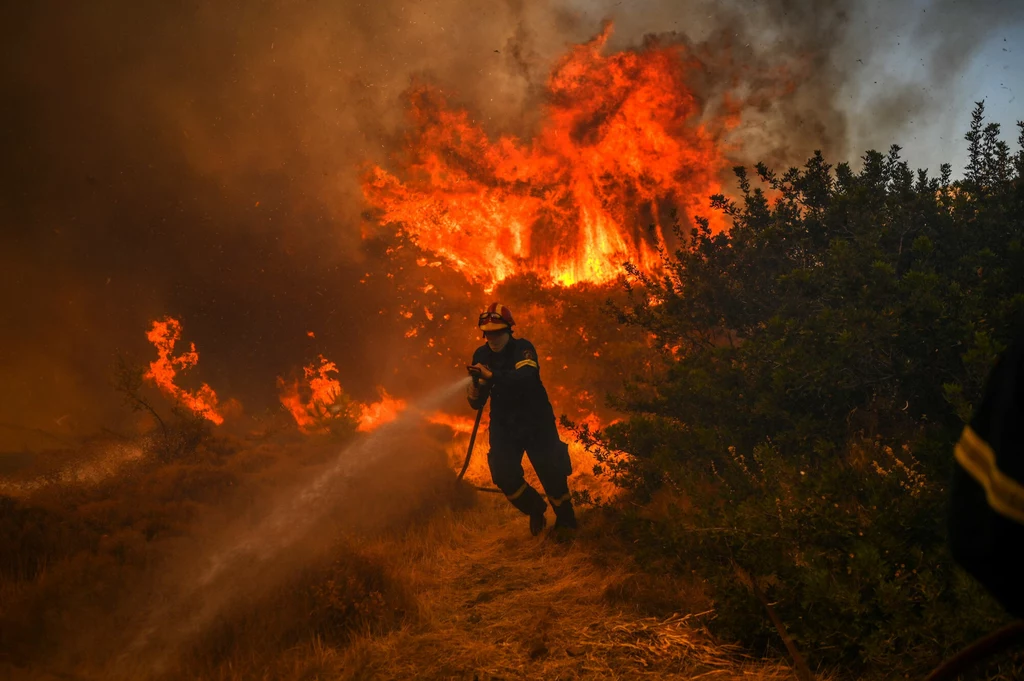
<point x="179" y="436"/>
<point x="826" y="350"/>
<point x="164" y="335"/>
<point x="320" y="406"/>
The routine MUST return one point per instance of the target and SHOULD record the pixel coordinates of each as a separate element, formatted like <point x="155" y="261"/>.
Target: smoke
<point x="201" y="159"/>
<point x="861" y="74"/>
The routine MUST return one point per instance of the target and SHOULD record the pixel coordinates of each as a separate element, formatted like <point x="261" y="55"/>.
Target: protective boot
<point x="565" y="516"/>
<point x="537" y="523"/>
<point x="527" y="500"/>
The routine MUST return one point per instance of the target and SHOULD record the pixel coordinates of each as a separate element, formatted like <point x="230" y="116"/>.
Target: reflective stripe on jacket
<point x="986" y="521"/>
<point x="519" y="402"/>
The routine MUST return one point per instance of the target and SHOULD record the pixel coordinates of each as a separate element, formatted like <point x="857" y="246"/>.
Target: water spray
<point x="218" y="572"/>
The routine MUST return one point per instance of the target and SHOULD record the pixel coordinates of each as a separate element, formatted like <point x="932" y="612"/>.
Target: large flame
<point x="619" y="149"/>
<point x="164" y="334"/>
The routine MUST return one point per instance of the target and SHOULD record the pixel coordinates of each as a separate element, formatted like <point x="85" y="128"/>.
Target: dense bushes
<point x="819" y="360"/>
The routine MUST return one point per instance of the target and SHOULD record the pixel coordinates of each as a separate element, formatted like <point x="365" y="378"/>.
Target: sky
<point x="994" y="73"/>
<point x="906" y="71"/>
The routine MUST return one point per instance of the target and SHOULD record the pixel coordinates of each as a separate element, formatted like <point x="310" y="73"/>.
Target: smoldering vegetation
<point x="229" y="554"/>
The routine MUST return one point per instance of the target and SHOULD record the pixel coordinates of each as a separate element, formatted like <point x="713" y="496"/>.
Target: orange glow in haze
<point x="377" y="414"/>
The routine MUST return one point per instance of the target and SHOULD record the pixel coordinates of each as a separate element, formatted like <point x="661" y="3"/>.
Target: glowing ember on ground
<point x="377" y="414"/>
<point x="162" y="371"/>
<point x="618" y="150"/>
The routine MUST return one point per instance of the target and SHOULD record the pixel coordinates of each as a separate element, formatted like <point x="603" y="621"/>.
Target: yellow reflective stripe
<point x="518" y="493"/>
<point x="526" y="363"/>
<point x="1005" y="495"/>
<point x="560" y="500"/>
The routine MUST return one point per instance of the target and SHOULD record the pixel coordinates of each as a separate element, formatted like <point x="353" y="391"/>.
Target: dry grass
<point x="87" y="465"/>
<point x="87" y="566"/>
<point x="496" y="603"/>
<point x="440" y="591"/>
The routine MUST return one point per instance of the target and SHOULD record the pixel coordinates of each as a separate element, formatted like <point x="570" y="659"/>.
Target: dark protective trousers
<point x="506" y="463"/>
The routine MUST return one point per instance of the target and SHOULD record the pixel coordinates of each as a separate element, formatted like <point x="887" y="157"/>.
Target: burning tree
<point x="620" y="149"/>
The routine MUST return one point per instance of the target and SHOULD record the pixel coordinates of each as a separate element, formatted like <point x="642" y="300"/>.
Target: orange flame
<point x="162" y="371"/>
<point x="458" y="424"/>
<point x="325" y="392"/>
<point x="617" y="151"/>
<point x="292" y="401"/>
<point x="377" y="414"/>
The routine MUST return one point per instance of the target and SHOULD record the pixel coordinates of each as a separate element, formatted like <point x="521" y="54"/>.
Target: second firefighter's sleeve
<point x="986" y="522"/>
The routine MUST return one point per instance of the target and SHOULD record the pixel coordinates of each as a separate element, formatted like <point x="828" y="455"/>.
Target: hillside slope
<point x="495" y="603"/>
<point x="395" y="574"/>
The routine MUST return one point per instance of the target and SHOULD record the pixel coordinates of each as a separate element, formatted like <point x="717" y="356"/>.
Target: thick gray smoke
<point x="202" y="159"/>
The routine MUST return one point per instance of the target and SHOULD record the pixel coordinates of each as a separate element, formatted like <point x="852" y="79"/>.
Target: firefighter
<point x="505" y="369"/>
<point x="986" y="521"/>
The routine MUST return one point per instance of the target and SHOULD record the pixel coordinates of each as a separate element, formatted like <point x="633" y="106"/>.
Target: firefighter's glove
<point x="481" y="373"/>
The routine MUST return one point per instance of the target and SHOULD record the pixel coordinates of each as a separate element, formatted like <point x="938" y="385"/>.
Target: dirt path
<point x="495" y="603"/>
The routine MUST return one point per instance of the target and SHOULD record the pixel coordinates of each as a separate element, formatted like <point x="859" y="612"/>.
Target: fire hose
<point x="469" y="454"/>
<point x="984" y="648"/>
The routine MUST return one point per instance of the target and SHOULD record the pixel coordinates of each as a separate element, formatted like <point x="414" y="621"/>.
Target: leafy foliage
<point x="819" y="361"/>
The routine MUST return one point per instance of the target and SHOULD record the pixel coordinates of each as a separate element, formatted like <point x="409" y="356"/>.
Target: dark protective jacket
<point x="986" y="522"/>
<point x="519" y="403"/>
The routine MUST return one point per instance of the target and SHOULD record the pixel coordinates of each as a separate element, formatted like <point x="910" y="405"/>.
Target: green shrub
<point x="819" y="360"/>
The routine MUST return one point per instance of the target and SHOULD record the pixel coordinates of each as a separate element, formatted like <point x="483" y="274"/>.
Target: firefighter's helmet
<point x="495" y="318"/>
